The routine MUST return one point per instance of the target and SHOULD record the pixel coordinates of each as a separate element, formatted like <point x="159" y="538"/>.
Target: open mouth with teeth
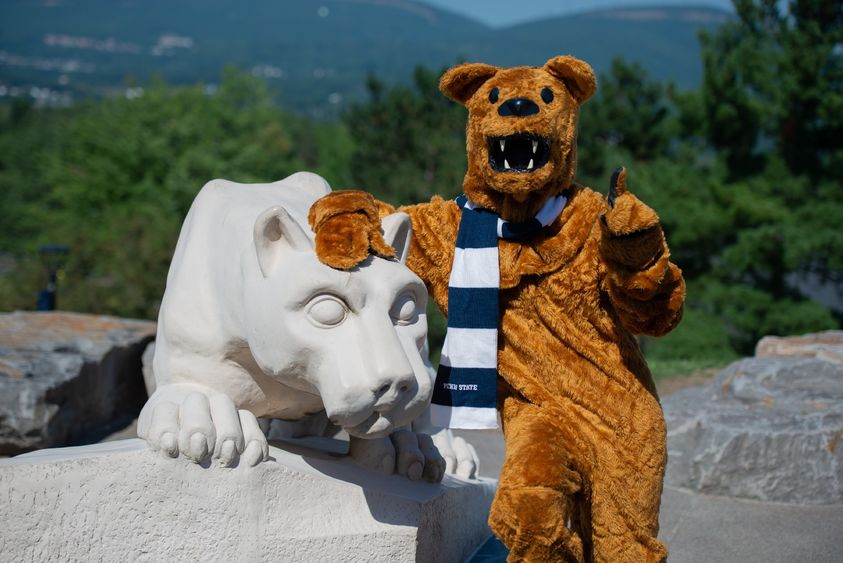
<point x="518" y="153"/>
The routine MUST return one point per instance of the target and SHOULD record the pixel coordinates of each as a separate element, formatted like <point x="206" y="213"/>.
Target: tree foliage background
<point x="745" y="173"/>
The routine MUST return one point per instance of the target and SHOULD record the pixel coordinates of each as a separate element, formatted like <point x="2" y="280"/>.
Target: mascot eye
<point x="493" y="95"/>
<point x="547" y="95"/>
<point x="327" y="311"/>
<point x="403" y="311"/>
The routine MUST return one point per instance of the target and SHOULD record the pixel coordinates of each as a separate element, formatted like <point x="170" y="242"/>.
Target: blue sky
<point x="507" y="12"/>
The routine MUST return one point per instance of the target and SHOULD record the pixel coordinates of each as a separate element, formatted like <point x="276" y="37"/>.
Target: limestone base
<point x="119" y="501"/>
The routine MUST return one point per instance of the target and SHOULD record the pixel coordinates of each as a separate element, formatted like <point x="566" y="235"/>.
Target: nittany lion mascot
<point x="545" y="283"/>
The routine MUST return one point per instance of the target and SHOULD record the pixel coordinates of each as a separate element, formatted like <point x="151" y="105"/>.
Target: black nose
<point x="518" y="107"/>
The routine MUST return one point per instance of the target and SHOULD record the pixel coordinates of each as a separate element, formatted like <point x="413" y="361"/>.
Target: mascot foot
<point x="531" y="522"/>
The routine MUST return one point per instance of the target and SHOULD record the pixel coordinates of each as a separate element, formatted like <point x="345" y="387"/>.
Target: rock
<point x="826" y="345"/>
<point x="766" y="428"/>
<point x="67" y="378"/>
<point x="120" y="501"/>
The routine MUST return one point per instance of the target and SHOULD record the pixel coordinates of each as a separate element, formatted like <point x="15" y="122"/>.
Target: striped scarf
<point x="464" y="392"/>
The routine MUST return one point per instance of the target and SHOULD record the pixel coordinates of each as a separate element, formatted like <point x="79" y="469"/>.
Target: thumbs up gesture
<point x="627" y="214"/>
<point x="632" y="235"/>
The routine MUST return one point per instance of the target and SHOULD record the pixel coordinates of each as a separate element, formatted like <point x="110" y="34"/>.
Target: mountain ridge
<point x="316" y="54"/>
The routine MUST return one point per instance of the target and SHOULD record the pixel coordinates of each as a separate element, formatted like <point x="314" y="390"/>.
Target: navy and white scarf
<point x="464" y="392"/>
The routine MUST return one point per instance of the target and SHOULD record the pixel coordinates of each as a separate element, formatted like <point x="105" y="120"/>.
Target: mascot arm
<point x="431" y="254"/>
<point x="645" y="287"/>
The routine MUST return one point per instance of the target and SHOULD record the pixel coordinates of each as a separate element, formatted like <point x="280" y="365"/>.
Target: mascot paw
<point x="632" y="236"/>
<point x="348" y="228"/>
<point x="627" y="214"/>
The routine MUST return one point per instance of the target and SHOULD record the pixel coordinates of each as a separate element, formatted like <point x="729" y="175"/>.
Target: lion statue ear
<point x="398" y="232"/>
<point x="274" y="230"/>
<point x="461" y="82"/>
<point x="577" y="75"/>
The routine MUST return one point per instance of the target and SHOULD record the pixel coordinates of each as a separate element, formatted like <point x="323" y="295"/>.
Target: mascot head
<point x="522" y="130"/>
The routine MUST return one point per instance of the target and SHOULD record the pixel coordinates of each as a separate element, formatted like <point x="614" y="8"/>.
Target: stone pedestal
<point x="118" y="501"/>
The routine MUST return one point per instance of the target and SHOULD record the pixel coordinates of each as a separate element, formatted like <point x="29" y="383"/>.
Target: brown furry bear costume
<point x="584" y="431"/>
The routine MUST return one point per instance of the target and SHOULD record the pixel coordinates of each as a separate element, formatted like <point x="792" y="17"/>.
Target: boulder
<point x="767" y="428"/>
<point x="68" y="378"/>
<point x="120" y="501"/>
<point x="826" y="345"/>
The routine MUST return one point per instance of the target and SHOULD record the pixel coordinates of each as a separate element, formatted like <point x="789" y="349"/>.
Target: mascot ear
<point x="577" y="75"/>
<point x="462" y="81"/>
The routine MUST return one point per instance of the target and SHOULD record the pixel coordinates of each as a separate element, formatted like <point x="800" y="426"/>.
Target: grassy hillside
<point x="315" y="54"/>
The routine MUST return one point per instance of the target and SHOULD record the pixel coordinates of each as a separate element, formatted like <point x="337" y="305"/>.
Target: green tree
<point x="26" y="137"/>
<point x="631" y="112"/>
<point x="774" y="76"/>
<point x="771" y="102"/>
<point x="410" y="141"/>
<point x="128" y="169"/>
<point x="114" y="179"/>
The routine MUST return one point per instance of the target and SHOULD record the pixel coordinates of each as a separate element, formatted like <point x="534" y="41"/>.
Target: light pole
<point x="53" y="256"/>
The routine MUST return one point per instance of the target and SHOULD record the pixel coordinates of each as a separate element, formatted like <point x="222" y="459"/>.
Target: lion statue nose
<point x="518" y="107"/>
<point x="390" y="392"/>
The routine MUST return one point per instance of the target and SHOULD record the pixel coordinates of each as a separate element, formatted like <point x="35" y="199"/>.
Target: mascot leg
<point x="627" y="488"/>
<point x="537" y="488"/>
<point x="575" y="492"/>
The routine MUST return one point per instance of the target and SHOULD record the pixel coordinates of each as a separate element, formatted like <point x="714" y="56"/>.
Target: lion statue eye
<point x="326" y="311"/>
<point x="404" y="311"/>
<point x="493" y="95"/>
